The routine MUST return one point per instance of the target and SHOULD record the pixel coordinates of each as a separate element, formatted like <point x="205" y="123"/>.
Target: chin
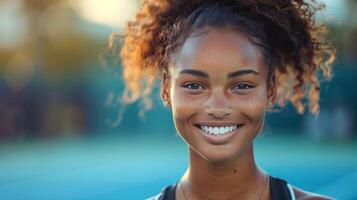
<point x="219" y="154"/>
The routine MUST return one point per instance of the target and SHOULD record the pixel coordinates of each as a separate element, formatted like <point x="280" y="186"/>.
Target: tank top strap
<point x="280" y="189"/>
<point x="167" y="193"/>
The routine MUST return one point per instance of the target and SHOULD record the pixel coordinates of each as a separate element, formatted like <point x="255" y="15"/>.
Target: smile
<point x="214" y="130"/>
<point x="219" y="133"/>
<point x="218" y="130"/>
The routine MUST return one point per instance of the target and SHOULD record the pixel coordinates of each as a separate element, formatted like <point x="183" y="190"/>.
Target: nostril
<point x="218" y="113"/>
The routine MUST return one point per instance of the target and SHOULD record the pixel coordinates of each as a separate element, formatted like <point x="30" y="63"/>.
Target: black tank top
<point x="279" y="190"/>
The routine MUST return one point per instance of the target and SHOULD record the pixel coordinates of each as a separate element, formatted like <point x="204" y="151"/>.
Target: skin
<point x="228" y="170"/>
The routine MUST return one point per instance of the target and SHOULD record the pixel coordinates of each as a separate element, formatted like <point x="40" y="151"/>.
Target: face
<point x="218" y="91"/>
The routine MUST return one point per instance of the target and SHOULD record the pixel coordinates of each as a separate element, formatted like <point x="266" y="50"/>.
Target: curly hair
<point x="293" y="43"/>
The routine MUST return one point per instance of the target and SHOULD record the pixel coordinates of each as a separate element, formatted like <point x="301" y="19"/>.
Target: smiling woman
<point x="222" y="60"/>
<point x="222" y="65"/>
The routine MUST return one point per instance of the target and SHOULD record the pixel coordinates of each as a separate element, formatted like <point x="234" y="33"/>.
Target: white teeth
<point x="218" y="130"/>
<point x="222" y="130"/>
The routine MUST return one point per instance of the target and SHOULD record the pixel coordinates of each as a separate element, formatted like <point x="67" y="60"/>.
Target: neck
<point x="235" y="179"/>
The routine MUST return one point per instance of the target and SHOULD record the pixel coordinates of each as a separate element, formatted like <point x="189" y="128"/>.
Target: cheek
<point x="183" y="103"/>
<point x="252" y="107"/>
<point x="183" y="109"/>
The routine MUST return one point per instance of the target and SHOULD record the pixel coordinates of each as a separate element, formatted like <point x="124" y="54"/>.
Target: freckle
<point x="234" y="170"/>
<point x="214" y="179"/>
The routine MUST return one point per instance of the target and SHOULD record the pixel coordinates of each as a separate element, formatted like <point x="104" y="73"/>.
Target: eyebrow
<point x="194" y="72"/>
<point x="241" y="72"/>
<point x="229" y="76"/>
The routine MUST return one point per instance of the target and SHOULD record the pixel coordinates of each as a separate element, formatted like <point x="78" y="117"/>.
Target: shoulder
<point x="305" y="195"/>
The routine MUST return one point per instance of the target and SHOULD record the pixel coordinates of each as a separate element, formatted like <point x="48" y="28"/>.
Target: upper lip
<point x="218" y="124"/>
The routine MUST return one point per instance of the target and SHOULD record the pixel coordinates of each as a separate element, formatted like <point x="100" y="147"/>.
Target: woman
<point x="222" y="65"/>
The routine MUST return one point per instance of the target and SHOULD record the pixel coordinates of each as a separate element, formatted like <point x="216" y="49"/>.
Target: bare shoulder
<point x="305" y="195"/>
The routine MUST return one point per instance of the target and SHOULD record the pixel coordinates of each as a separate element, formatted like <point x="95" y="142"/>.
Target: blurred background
<point x="62" y="135"/>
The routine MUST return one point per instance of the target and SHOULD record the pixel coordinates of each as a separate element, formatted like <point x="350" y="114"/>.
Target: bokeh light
<point x="112" y="13"/>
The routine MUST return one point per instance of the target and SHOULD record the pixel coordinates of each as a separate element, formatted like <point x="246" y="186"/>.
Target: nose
<point x="218" y="106"/>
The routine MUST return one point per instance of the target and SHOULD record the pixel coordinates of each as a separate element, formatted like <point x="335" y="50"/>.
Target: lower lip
<point x="219" y="139"/>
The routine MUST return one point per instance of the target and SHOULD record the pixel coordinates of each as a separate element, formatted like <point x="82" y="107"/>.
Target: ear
<point x="165" y="89"/>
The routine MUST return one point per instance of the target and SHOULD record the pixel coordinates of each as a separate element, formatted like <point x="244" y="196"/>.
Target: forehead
<point x="220" y="49"/>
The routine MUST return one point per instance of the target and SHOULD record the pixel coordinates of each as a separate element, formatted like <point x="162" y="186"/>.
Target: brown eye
<point x="193" y="86"/>
<point x="242" y="86"/>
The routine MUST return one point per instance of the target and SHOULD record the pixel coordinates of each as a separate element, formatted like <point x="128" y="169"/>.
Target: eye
<point x="193" y="86"/>
<point x="242" y="86"/>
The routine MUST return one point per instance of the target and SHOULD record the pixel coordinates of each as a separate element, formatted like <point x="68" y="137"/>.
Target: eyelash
<point x="247" y="86"/>
<point x="186" y="85"/>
